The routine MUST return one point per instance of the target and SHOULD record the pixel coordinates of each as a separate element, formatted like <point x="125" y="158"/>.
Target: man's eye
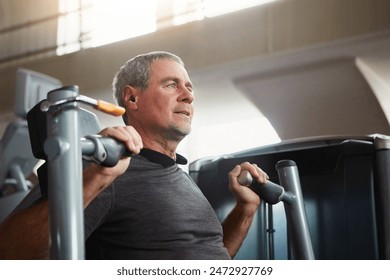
<point x="172" y="85"/>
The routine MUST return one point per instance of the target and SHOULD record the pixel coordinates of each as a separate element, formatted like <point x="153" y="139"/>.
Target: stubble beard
<point x="177" y="133"/>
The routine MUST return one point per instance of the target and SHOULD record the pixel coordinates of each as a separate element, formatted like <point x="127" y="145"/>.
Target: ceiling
<point x="331" y="89"/>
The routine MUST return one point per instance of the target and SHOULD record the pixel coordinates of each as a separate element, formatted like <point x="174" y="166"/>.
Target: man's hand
<point x="132" y="141"/>
<point x="96" y="177"/>
<point x="245" y="195"/>
<point x="237" y="223"/>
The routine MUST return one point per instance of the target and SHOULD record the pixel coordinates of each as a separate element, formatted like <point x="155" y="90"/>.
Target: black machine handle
<point x="106" y="151"/>
<point x="298" y="230"/>
<point x="270" y="192"/>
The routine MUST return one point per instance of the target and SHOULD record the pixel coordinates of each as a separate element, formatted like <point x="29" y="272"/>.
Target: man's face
<point x="166" y="107"/>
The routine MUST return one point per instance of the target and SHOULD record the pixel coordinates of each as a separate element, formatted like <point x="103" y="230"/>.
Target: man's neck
<point x="167" y="148"/>
<point x="156" y="141"/>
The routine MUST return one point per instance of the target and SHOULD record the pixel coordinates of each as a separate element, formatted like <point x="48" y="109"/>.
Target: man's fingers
<point x="257" y="173"/>
<point x="128" y="135"/>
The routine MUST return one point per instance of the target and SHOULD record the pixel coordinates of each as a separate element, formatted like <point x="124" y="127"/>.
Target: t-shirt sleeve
<point x="98" y="210"/>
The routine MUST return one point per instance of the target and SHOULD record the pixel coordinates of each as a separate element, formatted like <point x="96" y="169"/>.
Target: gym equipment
<point x="16" y="159"/>
<point x="345" y="182"/>
<point x="294" y="207"/>
<point x="61" y="144"/>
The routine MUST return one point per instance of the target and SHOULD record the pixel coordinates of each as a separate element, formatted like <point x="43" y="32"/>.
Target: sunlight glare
<point x="114" y="20"/>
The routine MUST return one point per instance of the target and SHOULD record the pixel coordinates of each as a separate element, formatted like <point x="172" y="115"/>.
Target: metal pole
<point x="297" y="226"/>
<point x="64" y="159"/>
<point x="382" y="146"/>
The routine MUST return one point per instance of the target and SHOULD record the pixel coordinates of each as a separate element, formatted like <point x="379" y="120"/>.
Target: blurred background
<point x="264" y="71"/>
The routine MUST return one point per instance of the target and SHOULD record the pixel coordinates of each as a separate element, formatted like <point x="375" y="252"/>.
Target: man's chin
<point x="178" y="133"/>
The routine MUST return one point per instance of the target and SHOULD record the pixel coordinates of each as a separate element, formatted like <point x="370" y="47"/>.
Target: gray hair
<point x="136" y="73"/>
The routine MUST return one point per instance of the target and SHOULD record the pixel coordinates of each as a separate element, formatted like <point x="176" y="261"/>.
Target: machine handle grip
<point x="106" y="151"/>
<point x="270" y="192"/>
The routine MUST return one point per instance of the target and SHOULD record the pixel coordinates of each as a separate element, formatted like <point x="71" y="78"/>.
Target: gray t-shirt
<point x="153" y="211"/>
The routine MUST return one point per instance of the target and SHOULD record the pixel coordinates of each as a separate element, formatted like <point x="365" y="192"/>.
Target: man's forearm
<point x="236" y="227"/>
<point x="25" y="235"/>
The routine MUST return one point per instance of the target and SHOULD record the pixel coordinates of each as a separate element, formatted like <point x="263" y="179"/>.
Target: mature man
<point x="146" y="207"/>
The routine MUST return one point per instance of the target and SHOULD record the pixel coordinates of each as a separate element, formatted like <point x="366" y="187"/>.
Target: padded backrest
<point x="15" y="147"/>
<point x="16" y="158"/>
<point x="31" y="87"/>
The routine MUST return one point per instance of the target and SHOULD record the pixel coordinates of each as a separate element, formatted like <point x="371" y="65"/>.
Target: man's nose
<point x="186" y="95"/>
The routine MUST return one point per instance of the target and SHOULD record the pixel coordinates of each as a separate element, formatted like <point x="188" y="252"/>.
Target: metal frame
<point x="65" y="149"/>
<point x="297" y="226"/>
<point x="290" y="193"/>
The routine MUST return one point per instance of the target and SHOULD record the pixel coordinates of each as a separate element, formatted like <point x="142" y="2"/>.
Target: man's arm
<point x="25" y="235"/>
<point x="237" y="223"/>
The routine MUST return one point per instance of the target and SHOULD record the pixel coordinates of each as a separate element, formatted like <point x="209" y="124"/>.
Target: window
<point x="91" y="23"/>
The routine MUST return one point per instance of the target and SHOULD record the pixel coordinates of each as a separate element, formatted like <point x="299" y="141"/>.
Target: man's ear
<point x="130" y="97"/>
